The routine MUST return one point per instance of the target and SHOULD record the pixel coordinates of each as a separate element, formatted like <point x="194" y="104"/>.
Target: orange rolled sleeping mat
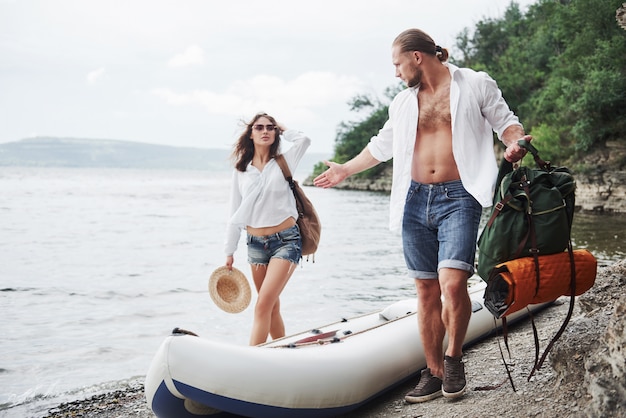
<point x="513" y="285"/>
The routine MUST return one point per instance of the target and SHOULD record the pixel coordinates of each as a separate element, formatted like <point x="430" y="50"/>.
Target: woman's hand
<point x="281" y="127"/>
<point x="229" y="262"/>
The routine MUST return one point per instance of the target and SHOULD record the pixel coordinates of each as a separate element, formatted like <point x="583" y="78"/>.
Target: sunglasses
<point x="260" y="127"/>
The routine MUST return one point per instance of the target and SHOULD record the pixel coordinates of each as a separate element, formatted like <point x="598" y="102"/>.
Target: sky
<point x="189" y="72"/>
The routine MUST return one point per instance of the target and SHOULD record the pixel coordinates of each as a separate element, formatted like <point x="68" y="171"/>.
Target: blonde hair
<point x="418" y="40"/>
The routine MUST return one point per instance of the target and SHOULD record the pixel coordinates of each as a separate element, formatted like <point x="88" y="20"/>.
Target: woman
<point x="263" y="204"/>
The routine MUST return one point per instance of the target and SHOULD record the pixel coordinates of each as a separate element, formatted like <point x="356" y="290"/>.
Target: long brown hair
<point x="243" y="150"/>
<point x="418" y="40"/>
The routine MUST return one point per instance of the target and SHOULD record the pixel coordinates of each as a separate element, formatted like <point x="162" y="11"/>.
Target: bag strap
<point x="498" y="208"/>
<point x="570" y="310"/>
<point x="505" y="168"/>
<point x="282" y="163"/>
<point x="544" y="165"/>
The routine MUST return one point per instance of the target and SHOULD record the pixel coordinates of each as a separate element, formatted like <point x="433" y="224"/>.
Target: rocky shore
<point x="585" y="375"/>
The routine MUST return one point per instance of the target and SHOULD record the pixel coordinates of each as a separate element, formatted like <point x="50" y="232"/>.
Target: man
<point x="440" y="136"/>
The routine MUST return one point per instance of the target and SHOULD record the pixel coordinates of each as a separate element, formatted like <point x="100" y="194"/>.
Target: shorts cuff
<point x="418" y="275"/>
<point x="456" y="264"/>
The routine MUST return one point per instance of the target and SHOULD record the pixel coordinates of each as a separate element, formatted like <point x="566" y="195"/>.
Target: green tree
<point x="585" y="91"/>
<point x="561" y="67"/>
<point x="352" y="137"/>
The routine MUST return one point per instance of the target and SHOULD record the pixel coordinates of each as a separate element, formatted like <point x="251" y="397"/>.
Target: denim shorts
<point x="285" y="244"/>
<point x="439" y="228"/>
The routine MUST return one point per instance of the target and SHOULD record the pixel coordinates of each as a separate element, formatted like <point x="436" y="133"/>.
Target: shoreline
<point x="566" y="385"/>
<point x="129" y="402"/>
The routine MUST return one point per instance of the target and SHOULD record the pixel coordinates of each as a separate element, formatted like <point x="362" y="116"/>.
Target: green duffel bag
<point x="532" y="213"/>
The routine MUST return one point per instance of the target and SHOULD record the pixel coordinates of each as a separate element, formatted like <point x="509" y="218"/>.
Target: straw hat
<point x="229" y="290"/>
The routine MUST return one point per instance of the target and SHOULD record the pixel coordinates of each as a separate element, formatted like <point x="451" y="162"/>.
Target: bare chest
<point x="434" y="109"/>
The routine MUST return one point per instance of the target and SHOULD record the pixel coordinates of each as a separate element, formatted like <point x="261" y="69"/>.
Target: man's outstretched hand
<point x="331" y="177"/>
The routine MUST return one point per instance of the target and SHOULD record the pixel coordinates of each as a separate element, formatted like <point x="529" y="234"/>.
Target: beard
<point x="416" y="79"/>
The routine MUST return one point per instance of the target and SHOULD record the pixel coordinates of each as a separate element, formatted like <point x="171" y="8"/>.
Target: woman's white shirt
<point x="263" y="198"/>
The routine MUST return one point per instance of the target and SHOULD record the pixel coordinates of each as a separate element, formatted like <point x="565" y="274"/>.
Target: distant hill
<point x="75" y="152"/>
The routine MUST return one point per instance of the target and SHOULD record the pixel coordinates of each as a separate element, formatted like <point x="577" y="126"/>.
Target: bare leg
<point x="431" y="326"/>
<point x="277" y="326"/>
<point x="269" y="281"/>
<point x="436" y="317"/>
<point x="457" y="308"/>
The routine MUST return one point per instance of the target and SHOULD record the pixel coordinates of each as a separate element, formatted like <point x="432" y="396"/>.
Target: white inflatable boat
<point x="323" y="372"/>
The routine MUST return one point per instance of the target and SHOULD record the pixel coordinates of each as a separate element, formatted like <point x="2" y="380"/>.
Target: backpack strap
<point x="498" y="208"/>
<point x="505" y="334"/>
<point x="544" y="165"/>
<point x="539" y="363"/>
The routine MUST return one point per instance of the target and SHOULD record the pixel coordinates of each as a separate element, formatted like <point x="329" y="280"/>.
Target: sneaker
<point x="453" y="377"/>
<point x="429" y="387"/>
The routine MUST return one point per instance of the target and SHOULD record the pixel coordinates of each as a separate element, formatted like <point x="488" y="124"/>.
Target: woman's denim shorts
<point x="439" y="228"/>
<point x="285" y="244"/>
